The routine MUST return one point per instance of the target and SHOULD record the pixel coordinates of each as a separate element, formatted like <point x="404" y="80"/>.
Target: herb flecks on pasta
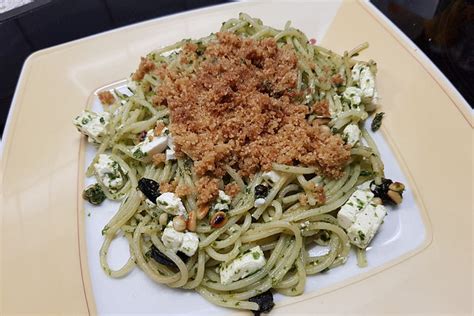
<point x="233" y="155"/>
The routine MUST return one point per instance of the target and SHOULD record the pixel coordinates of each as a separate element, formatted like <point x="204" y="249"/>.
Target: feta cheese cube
<point x="271" y="176"/>
<point x="176" y="241"/>
<point x="367" y="82"/>
<point x="151" y="145"/>
<point x="366" y="225"/>
<point x="351" y="134"/>
<point x="171" y="203"/>
<point x="220" y="207"/>
<point x="171" y="238"/>
<point x="242" y="266"/>
<point x="190" y="244"/>
<point x="93" y="125"/>
<point x="353" y="95"/>
<point x="109" y="172"/>
<point x="356" y="203"/>
<point x="170" y="154"/>
<point x="365" y="79"/>
<point x="259" y="202"/>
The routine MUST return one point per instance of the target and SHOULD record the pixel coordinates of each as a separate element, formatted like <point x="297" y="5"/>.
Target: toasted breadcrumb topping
<point x="168" y="186"/>
<point x="106" y="97"/>
<point x="318" y="192"/>
<point x="321" y="108"/>
<point x="303" y="199"/>
<point x="239" y="107"/>
<point x="183" y="190"/>
<point x="232" y="189"/>
<point x="159" y="128"/>
<point x="158" y="158"/>
<point x="145" y="67"/>
<point x="207" y="188"/>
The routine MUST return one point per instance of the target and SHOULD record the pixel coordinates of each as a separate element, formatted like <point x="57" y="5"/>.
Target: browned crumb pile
<point x="106" y="97"/>
<point x="239" y="109"/>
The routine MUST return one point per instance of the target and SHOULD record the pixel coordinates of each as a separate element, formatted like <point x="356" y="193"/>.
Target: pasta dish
<point x="233" y="156"/>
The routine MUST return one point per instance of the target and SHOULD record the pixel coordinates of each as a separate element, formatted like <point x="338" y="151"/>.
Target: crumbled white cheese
<point x="366" y="225"/>
<point x="351" y="134"/>
<point x="259" y="202"/>
<point x="171" y="238"/>
<point x="222" y="202"/>
<point x="151" y="145"/>
<point x="353" y="95"/>
<point x="170" y="154"/>
<point x="187" y="242"/>
<point x="363" y="77"/>
<point x="244" y="265"/>
<point x="304" y="224"/>
<point x="223" y="197"/>
<point x="357" y="202"/>
<point x="221" y="207"/>
<point x="190" y="244"/>
<point x="171" y="52"/>
<point x="271" y="176"/>
<point x="93" y="125"/>
<point x="171" y="203"/>
<point x="109" y="172"/>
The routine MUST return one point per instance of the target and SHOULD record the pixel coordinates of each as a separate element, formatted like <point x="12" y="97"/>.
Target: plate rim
<point x="25" y="77"/>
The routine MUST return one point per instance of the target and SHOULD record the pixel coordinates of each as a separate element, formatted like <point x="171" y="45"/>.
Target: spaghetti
<point x="284" y="208"/>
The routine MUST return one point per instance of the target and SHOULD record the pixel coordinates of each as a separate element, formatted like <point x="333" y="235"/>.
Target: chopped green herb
<point x="377" y="122"/>
<point x="255" y="255"/>
<point x="138" y="154"/>
<point x="94" y="194"/>
<point x="104" y="231"/>
<point x="361" y="235"/>
<point x="161" y="202"/>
